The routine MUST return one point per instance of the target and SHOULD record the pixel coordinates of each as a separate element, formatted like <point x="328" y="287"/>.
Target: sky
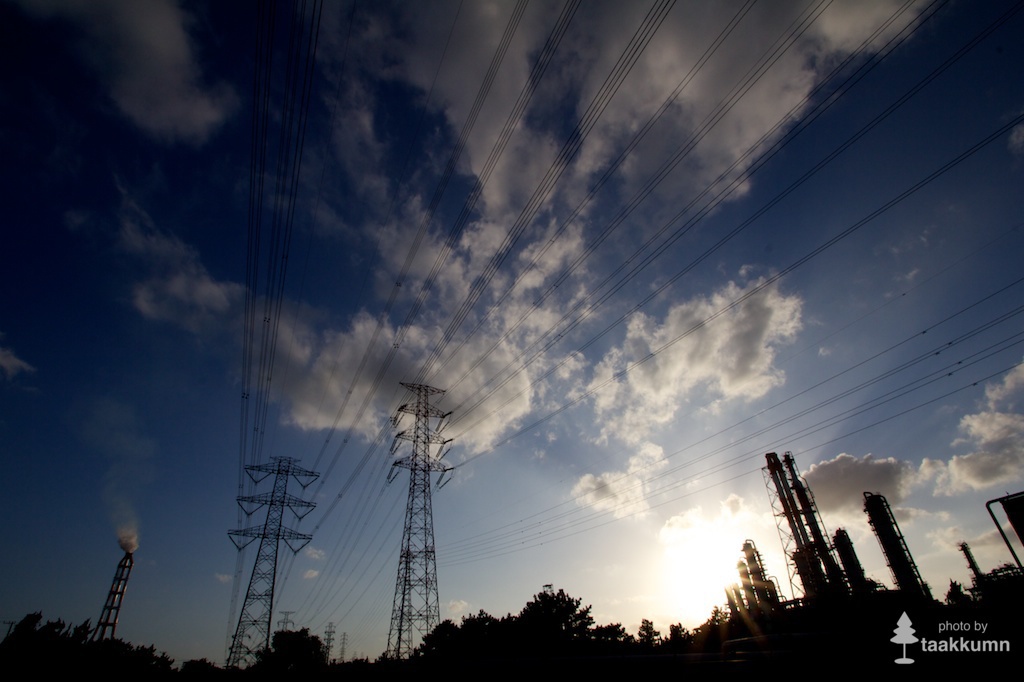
<point x="638" y="245"/>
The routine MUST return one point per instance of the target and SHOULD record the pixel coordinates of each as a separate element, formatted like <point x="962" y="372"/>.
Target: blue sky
<point x="760" y="228"/>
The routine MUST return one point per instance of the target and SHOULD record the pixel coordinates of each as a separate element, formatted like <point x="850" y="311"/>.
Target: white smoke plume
<point x="111" y="428"/>
<point x="128" y="538"/>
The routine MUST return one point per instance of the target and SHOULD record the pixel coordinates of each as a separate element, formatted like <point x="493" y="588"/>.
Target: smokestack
<point x="107" y="624"/>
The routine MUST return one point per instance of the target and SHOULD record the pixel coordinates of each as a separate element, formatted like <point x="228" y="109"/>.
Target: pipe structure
<point x="1013" y="505"/>
<point x="764" y="589"/>
<point x="748" y="587"/>
<point x="894" y="547"/>
<point x="976" y="573"/>
<point x="809" y="569"/>
<point x="735" y="599"/>
<point x="851" y="564"/>
<point x="812" y="520"/>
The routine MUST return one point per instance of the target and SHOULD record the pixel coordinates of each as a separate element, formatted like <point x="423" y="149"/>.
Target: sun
<point x="699" y="562"/>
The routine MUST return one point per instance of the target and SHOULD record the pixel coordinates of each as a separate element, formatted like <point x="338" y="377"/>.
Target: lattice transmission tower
<point x="253" y="631"/>
<point x="328" y="641"/>
<point x="415" y="611"/>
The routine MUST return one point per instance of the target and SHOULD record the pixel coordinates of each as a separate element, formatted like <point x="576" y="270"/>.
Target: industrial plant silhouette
<point x="837" y="614"/>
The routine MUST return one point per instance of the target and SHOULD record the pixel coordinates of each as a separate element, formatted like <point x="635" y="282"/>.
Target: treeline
<point x="554" y="624"/>
<point x="57" y="647"/>
<point x="554" y="631"/>
<point x="33" y="647"/>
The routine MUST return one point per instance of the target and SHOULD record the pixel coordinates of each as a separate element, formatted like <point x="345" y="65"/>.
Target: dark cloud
<point x="839" y="484"/>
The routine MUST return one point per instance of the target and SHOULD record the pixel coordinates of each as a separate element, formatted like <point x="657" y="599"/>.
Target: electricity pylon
<point x="415" y="611"/>
<point x="253" y="631"/>
<point x="328" y="641"/>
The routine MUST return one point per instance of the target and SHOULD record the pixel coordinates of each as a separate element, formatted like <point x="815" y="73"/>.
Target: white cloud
<point x="310" y="574"/>
<point x="731" y="356"/>
<point x="457" y="608"/>
<point x="622" y="492"/>
<point x="222" y="578"/>
<point x="595" y="40"/>
<point x="1012" y="383"/>
<point x="1016" y="141"/>
<point x="996" y="435"/>
<point x="11" y="365"/>
<point x="180" y="290"/>
<point x="314" y="553"/>
<point x="839" y="484"/>
<point x="999" y="455"/>
<point x="143" y="55"/>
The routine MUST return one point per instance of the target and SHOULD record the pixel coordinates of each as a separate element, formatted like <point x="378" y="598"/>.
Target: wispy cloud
<point x="1016" y="141"/>
<point x="11" y="365"/>
<point x="179" y="288"/>
<point x="143" y="55"/>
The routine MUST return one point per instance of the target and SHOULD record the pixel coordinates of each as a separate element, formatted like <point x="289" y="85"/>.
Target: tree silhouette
<point x="647" y="636"/>
<point x="679" y="638"/>
<point x="610" y="639"/>
<point x="554" y="619"/>
<point x="292" y="651"/>
<point x="445" y="640"/>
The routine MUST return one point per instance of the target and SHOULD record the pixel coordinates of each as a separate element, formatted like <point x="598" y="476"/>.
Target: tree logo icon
<point x="904" y="635"/>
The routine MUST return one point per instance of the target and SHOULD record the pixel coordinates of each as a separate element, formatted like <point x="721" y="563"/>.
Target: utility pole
<point x="343" y="645"/>
<point x="415" y="611"/>
<point x="253" y="631"/>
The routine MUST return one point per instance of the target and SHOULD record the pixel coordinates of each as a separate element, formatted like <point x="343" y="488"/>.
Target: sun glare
<point x="700" y="557"/>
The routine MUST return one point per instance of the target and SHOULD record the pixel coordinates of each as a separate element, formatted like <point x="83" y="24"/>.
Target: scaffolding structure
<point x="253" y="631"/>
<point x="415" y="611"/>
<point x="801" y="530"/>
<point x="107" y="624"/>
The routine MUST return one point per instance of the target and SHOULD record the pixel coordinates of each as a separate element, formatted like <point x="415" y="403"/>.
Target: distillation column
<point x="894" y="547"/>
